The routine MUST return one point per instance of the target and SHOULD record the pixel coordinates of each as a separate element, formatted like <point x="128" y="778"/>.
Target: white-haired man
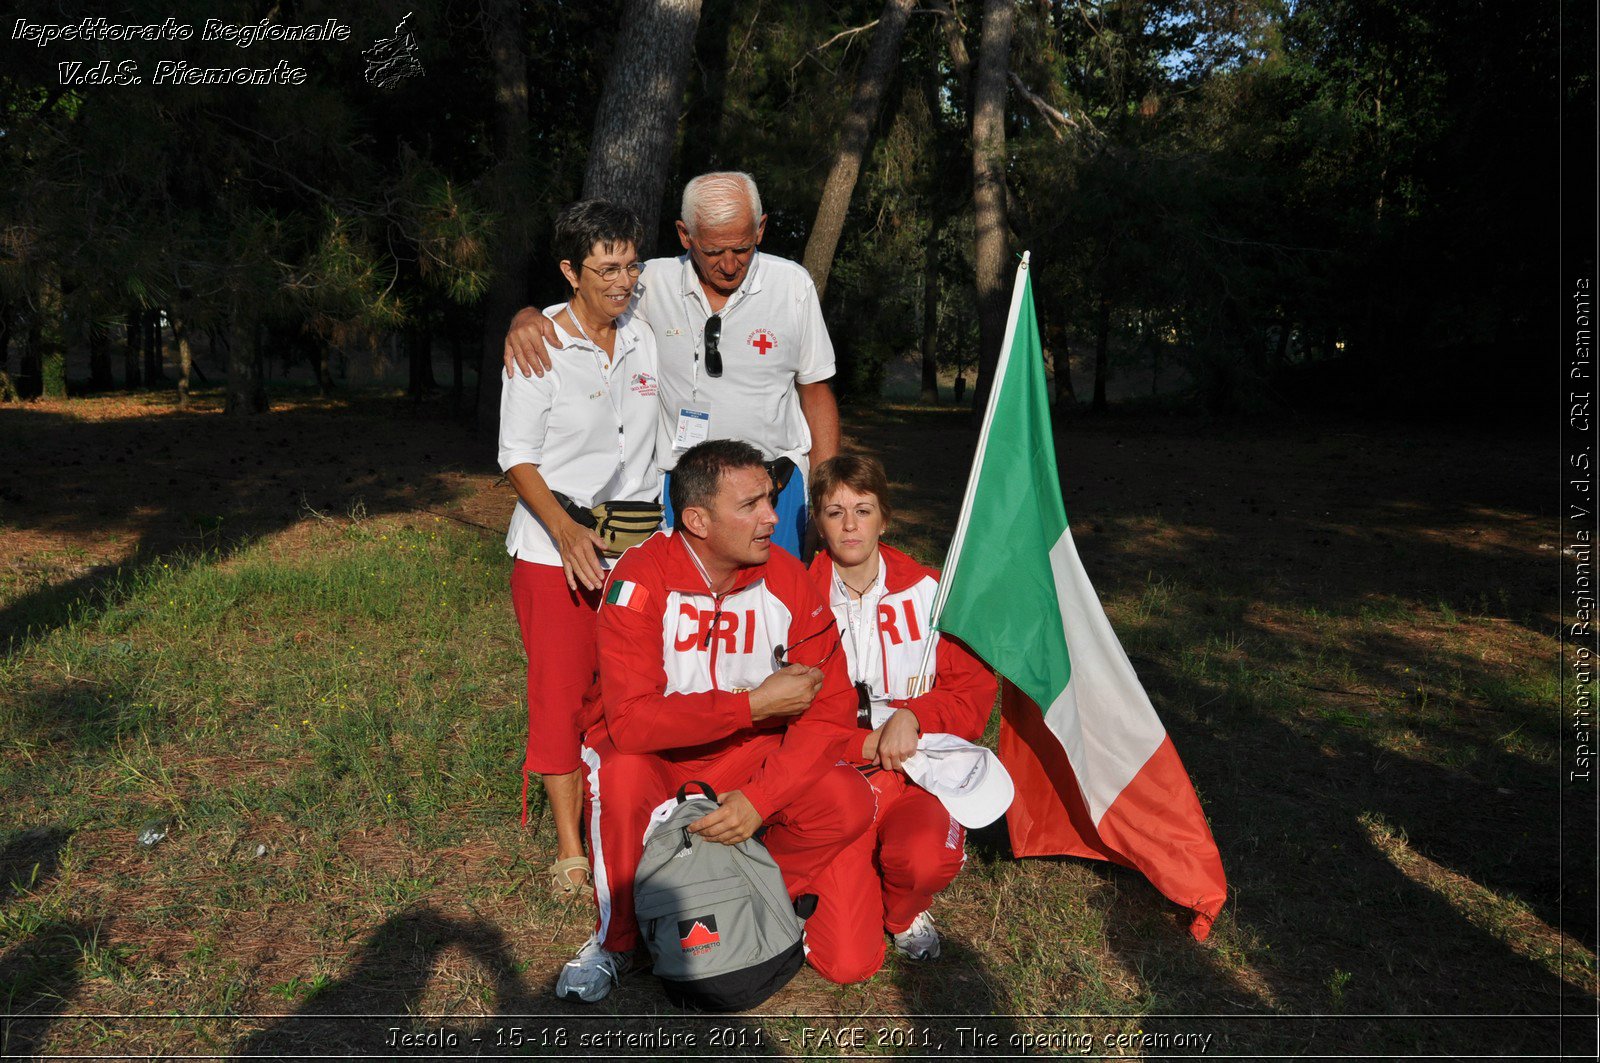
<point x="743" y="351"/>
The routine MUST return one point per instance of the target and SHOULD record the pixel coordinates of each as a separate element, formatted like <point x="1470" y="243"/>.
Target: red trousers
<point x="623" y="789"/>
<point x="882" y="880"/>
<point x="558" y="634"/>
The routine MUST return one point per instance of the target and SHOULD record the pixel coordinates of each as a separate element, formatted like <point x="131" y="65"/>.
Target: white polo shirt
<point x="773" y="338"/>
<point x="590" y="428"/>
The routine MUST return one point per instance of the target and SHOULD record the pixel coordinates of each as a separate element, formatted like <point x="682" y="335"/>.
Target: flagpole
<point x="957" y="540"/>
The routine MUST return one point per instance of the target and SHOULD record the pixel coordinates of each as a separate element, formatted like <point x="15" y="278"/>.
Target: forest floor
<point x="285" y="645"/>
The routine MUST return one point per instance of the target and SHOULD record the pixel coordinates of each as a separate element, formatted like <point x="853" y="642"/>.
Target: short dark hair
<point x="697" y="477"/>
<point x="863" y="475"/>
<point x="588" y="222"/>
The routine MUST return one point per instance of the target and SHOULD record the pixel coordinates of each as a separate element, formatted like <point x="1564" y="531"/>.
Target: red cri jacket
<point x="958" y="698"/>
<point x="677" y="664"/>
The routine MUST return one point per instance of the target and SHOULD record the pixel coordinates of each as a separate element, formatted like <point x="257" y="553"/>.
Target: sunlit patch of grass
<point x="369" y="677"/>
<point x="333" y="654"/>
<point x="1506" y="918"/>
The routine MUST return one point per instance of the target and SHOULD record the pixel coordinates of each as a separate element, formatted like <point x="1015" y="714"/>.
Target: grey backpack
<point x="717" y="918"/>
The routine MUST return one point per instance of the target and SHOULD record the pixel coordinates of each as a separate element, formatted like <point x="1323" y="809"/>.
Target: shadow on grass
<point x="369" y="1011"/>
<point x="139" y="487"/>
<point x="959" y="1002"/>
<point x="1331" y="914"/>
<point x="362" y="1013"/>
<point x="41" y="971"/>
<point x="1441" y="775"/>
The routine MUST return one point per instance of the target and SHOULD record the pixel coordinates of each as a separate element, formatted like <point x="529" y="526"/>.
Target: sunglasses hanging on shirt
<point x="713" y="346"/>
<point x="863" y="707"/>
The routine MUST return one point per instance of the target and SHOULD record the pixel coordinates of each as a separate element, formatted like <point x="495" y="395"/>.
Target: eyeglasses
<point x="713" y="351"/>
<point x="780" y="653"/>
<point x="613" y="271"/>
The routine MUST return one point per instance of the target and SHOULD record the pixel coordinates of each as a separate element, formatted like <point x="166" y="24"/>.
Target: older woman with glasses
<point x="886" y="880"/>
<point x="578" y="446"/>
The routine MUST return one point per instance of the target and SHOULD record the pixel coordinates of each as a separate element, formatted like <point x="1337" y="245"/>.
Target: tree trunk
<point x="854" y="141"/>
<point x="1061" y="366"/>
<point x="154" y="354"/>
<point x="247" y="393"/>
<point x="1102" y="348"/>
<point x="1147" y="334"/>
<point x="989" y="188"/>
<point x="53" y="347"/>
<point x="937" y="194"/>
<point x="131" y="351"/>
<point x="30" y="367"/>
<point x="180" y="334"/>
<point x="100" y="378"/>
<point x="960" y="59"/>
<point x="508" y="286"/>
<point x="636" y="124"/>
<point x="419" y="351"/>
<point x="708" y="96"/>
<point x="320" y="367"/>
<point x="457" y="369"/>
<point x="930" y="311"/>
<point x="7" y="320"/>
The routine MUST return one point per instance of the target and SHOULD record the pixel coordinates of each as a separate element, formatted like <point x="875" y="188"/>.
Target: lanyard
<point x="862" y="618"/>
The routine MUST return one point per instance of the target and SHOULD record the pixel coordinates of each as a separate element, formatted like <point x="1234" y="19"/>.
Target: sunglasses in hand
<point x="780" y="653"/>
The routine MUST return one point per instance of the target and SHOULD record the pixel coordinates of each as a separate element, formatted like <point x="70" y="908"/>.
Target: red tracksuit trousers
<point x="882" y="880"/>
<point x="623" y="789"/>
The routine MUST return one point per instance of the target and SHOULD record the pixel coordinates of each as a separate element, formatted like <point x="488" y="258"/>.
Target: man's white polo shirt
<point x="590" y="428"/>
<point x="773" y="338"/>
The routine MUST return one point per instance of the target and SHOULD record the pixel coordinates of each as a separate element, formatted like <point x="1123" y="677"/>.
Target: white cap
<point x="968" y="780"/>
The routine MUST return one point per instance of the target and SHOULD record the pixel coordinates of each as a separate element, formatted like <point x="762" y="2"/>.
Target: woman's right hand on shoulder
<point x="580" y="555"/>
<point x="527" y="340"/>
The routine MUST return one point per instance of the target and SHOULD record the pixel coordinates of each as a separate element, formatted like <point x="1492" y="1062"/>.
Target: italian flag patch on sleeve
<point x="628" y="595"/>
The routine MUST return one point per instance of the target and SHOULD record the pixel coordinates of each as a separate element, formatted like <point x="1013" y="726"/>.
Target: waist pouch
<point x="619" y="524"/>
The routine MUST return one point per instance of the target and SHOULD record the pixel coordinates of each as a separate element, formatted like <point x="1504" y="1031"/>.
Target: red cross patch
<point x="763" y="340"/>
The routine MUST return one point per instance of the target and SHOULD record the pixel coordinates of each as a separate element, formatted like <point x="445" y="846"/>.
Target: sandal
<point x="563" y="886"/>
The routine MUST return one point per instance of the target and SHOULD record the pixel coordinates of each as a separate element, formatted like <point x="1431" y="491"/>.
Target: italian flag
<point x="1095" y="772"/>
<point x="628" y="595"/>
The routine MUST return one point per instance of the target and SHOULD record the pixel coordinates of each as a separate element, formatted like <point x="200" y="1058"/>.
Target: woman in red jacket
<point x="881" y="600"/>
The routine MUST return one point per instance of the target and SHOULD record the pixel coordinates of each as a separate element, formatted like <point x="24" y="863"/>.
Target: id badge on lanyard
<point x="694" y="425"/>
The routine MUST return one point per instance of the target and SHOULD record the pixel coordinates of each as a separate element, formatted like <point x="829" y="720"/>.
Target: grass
<point x="325" y="715"/>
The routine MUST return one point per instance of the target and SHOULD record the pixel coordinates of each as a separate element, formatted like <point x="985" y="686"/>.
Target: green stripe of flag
<point x="1000" y="594"/>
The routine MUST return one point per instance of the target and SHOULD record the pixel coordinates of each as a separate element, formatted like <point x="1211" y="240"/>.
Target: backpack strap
<point x="705" y="788"/>
<point x="683" y="795"/>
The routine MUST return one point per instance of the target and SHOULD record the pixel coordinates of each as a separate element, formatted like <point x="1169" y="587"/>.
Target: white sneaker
<point x="920" y="940"/>
<point x="592" y="974"/>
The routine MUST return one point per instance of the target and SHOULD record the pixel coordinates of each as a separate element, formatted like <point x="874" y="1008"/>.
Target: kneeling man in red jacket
<point x="719" y="661"/>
